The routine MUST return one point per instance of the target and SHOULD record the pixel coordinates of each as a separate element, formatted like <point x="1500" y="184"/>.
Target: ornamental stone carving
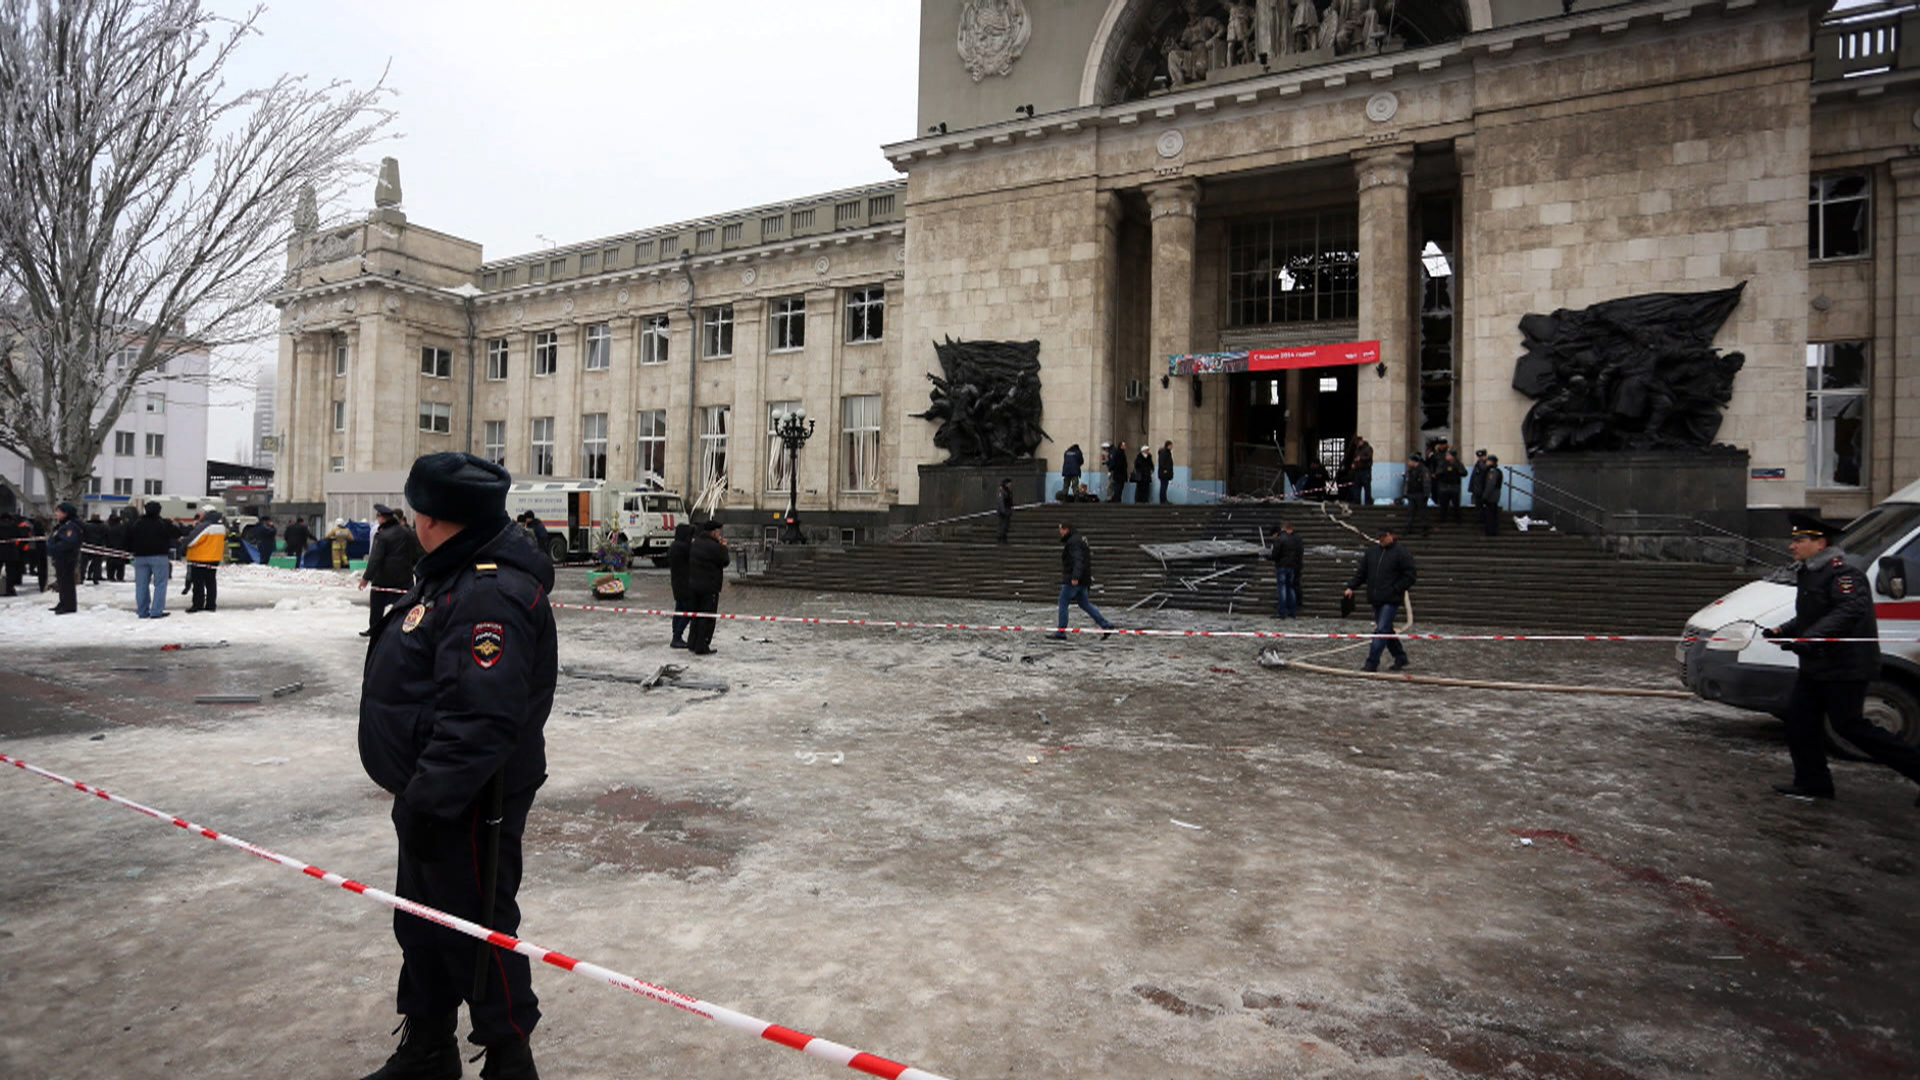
<point x="1170" y="144"/>
<point x="993" y="33"/>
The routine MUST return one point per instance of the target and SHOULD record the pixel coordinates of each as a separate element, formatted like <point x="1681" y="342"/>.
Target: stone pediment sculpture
<point x="987" y="402"/>
<point x="1638" y="373"/>
<point x="993" y="33"/>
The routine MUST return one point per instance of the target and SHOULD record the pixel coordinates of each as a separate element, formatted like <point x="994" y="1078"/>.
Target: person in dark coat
<point x="1070" y="464"/>
<point x="1359" y="471"/>
<point x="1115" y="460"/>
<point x="1166" y="468"/>
<point x="1477" y="479"/>
<point x="1490" y="482"/>
<point x="268" y="538"/>
<point x="678" y="554"/>
<point x="1832" y="600"/>
<point x="1286" y="553"/>
<point x="453" y="711"/>
<point x="1076" y="574"/>
<point x="297" y="538"/>
<point x="63" y="548"/>
<point x="37" y="552"/>
<point x="93" y="564"/>
<point x="1446" y="486"/>
<point x="1414" y="488"/>
<point x="11" y="557"/>
<point x="117" y="541"/>
<point x="707" y="561"/>
<point x="1143" y="477"/>
<point x="390" y="561"/>
<point x="1003" y="507"/>
<point x="1387" y="572"/>
<point x="538" y="530"/>
<point x="1317" y="484"/>
<point x="151" y="541"/>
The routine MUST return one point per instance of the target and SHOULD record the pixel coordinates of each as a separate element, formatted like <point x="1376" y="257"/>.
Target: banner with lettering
<point x="1299" y="356"/>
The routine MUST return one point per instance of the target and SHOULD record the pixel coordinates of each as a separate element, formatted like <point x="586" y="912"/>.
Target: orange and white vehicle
<point x="1732" y="663"/>
<point x="579" y="514"/>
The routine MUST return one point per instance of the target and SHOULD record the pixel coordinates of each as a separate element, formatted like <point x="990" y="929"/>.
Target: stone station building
<point x="1131" y="180"/>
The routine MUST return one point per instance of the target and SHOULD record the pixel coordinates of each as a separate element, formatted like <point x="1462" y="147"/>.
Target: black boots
<point x="509" y="1061"/>
<point x="429" y="1050"/>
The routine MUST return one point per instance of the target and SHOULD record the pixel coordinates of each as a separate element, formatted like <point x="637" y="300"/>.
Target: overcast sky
<point x="590" y="117"/>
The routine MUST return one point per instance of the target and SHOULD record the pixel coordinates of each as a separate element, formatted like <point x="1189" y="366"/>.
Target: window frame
<point x="151" y="487"/>
<point x="650" y="443"/>
<point x="436" y="362"/>
<point x="339" y="415"/>
<point x="499" y="352"/>
<point x="713" y="443"/>
<point x="340" y="355"/>
<point x="155" y="404"/>
<point x="777" y="459"/>
<point x="535" y="444"/>
<point x="124" y="443"/>
<point x="1822" y="459"/>
<point x="123" y="485"/>
<point x="653" y="339"/>
<point x="596" y="343"/>
<point x="546" y="353"/>
<point x="787" y="331"/>
<point x="431" y="414"/>
<point x="716" y="332"/>
<point x="593" y="447"/>
<point x="852" y="435"/>
<point x="494" y="451"/>
<point x="156" y="444"/>
<point x="337" y="464"/>
<point x="1817" y="221"/>
<point x="866" y="308"/>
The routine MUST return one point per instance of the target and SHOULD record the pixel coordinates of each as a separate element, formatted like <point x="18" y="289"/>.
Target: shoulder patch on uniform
<point x="489" y="643"/>
<point x="1845" y="584"/>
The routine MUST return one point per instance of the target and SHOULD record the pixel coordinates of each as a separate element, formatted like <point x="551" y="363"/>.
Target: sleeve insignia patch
<point x="414" y="615"/>
<point x="1845" y="583"/>
<point x="489" y="643"/>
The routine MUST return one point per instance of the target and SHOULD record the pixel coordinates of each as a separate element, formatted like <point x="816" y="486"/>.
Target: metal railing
<point x="1599" y="521"/>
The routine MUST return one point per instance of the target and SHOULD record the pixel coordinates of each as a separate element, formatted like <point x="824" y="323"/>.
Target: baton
<point x="492" y="808"/>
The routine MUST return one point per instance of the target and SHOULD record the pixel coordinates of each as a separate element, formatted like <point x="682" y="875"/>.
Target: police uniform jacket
<point x="459" y="675"/>
<point x="1387" y="572"/>
<point x="1833" y="600"/>
<point x="63" y="542"/>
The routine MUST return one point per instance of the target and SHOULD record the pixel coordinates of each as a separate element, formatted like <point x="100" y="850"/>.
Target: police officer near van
<point x="459" y="681"/>
<point x="1833" y="600"/>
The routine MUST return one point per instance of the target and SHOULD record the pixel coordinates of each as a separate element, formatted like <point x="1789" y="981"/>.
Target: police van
<point x="579" y="514"/>
<point x="1742" y="669"/>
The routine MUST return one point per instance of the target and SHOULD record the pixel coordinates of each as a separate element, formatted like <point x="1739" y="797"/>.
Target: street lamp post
<point x="794" y="429"/>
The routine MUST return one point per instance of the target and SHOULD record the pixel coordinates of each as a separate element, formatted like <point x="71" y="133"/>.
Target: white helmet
<point x="340" y="523"/>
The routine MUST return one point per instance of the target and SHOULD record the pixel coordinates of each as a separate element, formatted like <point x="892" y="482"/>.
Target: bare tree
<point x="145" y="207"/>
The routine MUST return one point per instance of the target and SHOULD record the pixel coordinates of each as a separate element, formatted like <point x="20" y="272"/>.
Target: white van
<point x="579" y="514"/>
<point x="1742" y="669"/>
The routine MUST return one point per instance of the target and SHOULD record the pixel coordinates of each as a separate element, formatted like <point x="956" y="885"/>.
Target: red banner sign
<point x="1305" y="356"/>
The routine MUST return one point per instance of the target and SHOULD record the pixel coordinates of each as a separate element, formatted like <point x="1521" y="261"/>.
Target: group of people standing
<point x="1141" y="471"/>
<point x="1437" y="475"/>
<point x="696" y="566"/>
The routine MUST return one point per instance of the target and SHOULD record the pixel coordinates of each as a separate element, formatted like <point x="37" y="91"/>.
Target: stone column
<point x="1386" y="301"/>
<point x="1466" y="433"/>
<point x="1105" y="390"/>
<point x="1172" y="207"/>
<point x="1905" y="345"/>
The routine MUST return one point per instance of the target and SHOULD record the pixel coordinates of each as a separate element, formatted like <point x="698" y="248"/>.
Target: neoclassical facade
<point x="1128" y="181"/>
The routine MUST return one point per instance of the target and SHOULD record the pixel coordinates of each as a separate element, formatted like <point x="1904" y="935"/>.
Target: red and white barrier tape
<point x="806" y="1044"/>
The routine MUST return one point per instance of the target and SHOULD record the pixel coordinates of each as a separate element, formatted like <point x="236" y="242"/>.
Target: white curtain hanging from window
<point x="861" y="421"/>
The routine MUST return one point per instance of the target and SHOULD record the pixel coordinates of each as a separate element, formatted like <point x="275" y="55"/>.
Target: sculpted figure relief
<point x="993" y="33"/>
<point x="1240" y="33"/>
<point x="1303" y="28"/>
<point x="988" y="401"/>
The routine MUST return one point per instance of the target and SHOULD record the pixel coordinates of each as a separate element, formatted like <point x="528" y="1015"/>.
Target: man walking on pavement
<point x="1003" y="508"/>
<point x="1387" y="572"/>
<point x="1076" y="573"/>
<point x="63" y="547"/>
<point x="1166" y="469"/>
<point x="1286" y="556"/>
<point x="453" y="709"/>
<point x="1832" y="600"/>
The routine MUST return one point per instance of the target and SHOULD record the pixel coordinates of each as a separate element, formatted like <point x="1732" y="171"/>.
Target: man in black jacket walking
<point x="390" y="560"/>
<point x="679" y="554"/>
<point x="1076" y="573"/>
<point x="1833" y="600"/>
<point x="707" y="562"/>
<point x="453" y="710"/>
<point x="1387" y="572"/>
<point x="1286" y="555"/>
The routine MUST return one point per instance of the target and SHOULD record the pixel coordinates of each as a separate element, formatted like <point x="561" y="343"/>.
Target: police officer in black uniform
<point x="1834" y="601"/>
<point x="459" y="680"/>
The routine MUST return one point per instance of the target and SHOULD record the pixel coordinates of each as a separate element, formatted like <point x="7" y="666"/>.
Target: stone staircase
<point x="1519" y="581"/>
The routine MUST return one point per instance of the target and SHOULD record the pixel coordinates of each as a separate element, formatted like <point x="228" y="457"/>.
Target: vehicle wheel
<point x="660" y="562"/>
<point x="557" y="548"/>
<point x="1890" y="707"/>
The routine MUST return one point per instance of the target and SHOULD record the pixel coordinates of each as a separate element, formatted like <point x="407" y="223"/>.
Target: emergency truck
<point x="579" y="514"/>
<point x="1742" y="669"/>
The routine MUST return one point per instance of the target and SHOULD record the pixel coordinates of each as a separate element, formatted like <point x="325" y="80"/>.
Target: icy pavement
<point x="980" y="853"/>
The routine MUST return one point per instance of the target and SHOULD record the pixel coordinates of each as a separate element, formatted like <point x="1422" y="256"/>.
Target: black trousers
<point x="1449" y="504"/>
<point x="1142" y="491"/>
<point x="203" y="583"/>
<point x="63" y="573"/>
<point x="1005" y="521"/>
<point x="1417" y="512"/>
<point x="437" y="964"/>
<point x="700" y="632"/>
<point x="682" y="601"/>
<point x="1839" y="702"/>
<point x="377" y="604"/>
<point x="1490" y="518"/>
<point x="9" y="575"/>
